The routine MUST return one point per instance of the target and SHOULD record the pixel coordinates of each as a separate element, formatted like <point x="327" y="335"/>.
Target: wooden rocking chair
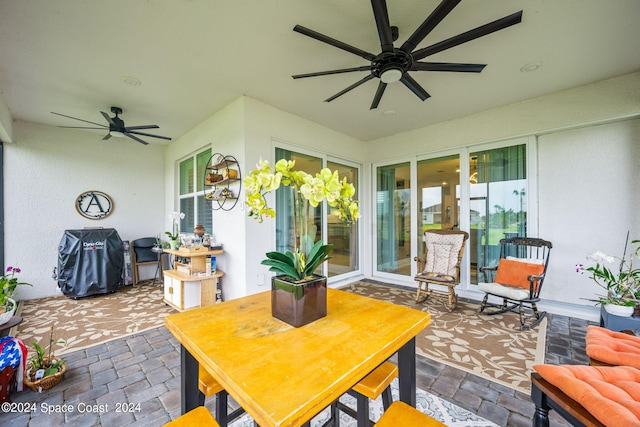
<point x="517" y="279"/>
<point x="441" y="265"/>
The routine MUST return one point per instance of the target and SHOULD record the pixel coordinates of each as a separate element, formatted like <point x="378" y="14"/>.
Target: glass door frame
<point x="463" y="153"/>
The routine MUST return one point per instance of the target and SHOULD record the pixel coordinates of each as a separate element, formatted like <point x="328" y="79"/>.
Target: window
<point x="192" y="202"/>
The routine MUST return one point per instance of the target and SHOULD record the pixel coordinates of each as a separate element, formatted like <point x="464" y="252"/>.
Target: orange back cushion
<point x="610" y="393"/>
<point x="515" y="273"/>
<point x="614" y="348"/>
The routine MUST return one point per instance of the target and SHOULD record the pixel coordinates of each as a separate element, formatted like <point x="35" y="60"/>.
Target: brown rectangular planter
<point x="298" y="303"/>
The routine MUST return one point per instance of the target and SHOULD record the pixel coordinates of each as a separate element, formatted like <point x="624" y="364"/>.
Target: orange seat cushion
<point x="614" y="348"/>
<point x="610" y="393"/>
<point x="515" y="273"/>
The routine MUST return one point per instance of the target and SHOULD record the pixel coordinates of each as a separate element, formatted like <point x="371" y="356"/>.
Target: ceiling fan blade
<point x="128" y="128"/>
<point x="135" y="138"/>
<point x="414" y="87"/>
<point x="326" y="73"/>
<point x="75" y="118"/>
<point x="481" y="31"/>
<point x="333" y="42"/>
<point x="378" y="96"/>
<point x="446" y="66"/>
<point x="439" y="13"/>
<point x="353" y="86"/>
<point x="147" y="134"/>
<point x="83" y="127"/>
<point x="381" y="15"/>
<point x="107" y="136"/>
<point x="109" y="119"/>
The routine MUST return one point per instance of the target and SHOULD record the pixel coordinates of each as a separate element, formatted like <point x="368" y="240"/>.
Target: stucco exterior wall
<point x="47" y="168"/>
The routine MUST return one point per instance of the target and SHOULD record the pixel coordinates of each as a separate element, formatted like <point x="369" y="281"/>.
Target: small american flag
<point x="13" y="353"/>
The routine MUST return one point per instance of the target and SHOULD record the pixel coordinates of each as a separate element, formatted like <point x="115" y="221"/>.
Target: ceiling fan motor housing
<point x="398" y="60"/>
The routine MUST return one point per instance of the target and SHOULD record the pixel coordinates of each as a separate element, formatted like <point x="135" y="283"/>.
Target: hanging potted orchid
<point x="298" y="294"/>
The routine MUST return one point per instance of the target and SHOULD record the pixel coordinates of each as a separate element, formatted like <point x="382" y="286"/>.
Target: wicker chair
<point x="441" y="265"/>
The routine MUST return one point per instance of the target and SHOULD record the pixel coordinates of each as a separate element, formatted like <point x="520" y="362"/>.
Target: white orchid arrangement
<point x="307" y="190"/>
<point x="622" y="288"/>
<point x="175" y="218"/>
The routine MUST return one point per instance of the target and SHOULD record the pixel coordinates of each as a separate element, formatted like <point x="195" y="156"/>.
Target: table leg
<point x="407" y="372"/>
<point x="188" y="381"/>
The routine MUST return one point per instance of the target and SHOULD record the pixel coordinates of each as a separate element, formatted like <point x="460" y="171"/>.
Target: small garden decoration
<point x="44" y="369"/>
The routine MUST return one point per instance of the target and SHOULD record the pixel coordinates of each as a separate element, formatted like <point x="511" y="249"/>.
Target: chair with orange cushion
<point x="609" y="348"/>
<point x="587" y="395"/>
<point x="517" y="279"/>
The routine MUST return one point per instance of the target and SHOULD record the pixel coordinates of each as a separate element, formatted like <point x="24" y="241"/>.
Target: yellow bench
<point x="370" y="387"/>
<point x="401" y="414"/>
<point x="208" y="386"/>
<point x="200" y="417"/>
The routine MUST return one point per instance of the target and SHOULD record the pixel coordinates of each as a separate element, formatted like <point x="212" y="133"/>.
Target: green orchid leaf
<point x="318" y="254"/>
<point x="281" y="268"/>
<point x="279" y="256"/>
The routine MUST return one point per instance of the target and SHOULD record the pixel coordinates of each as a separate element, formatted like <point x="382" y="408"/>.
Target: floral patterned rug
<point x="89" y="321"/>
<point x="491" y="347"/>
<point x="443" y="411"/>
<point x="488" y="346"/>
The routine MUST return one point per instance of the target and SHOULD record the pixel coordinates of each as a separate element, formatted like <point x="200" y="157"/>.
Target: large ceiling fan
<point x="393" y="64"/>
<point x="116" y="126"/>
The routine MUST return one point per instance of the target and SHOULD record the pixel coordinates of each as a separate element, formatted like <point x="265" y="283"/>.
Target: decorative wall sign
<point x="94" y="204"/>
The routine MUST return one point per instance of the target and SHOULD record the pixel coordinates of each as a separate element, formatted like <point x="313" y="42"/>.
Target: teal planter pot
<point x="298" y="303"/>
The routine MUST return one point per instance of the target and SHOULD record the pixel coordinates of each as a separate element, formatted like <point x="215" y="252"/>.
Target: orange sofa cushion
<point x="610" y="393"/>
<point x="614" y="348"/>
<point x="515" y="273"/>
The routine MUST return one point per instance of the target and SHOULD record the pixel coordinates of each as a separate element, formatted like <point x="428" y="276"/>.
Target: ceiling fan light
<point x="117" y="134"/>
<point x="391" y="75"/>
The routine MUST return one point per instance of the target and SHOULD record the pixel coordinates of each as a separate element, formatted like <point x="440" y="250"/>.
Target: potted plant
<point x="622" y="286"/>
<point x="296" y="290"/>
<point x="8" y="284"/>
<point x="175" y="229"/>
<point x="44" y="369"/>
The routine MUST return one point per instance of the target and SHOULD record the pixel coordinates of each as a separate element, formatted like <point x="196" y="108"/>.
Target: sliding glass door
<point x="393" y="219"/>
<point x="498" y="202"/>
<point x="343" y="236"/>
<point x="483" y="192"/>
<point x="438" y="196"/>
<point x="325" y="224"/>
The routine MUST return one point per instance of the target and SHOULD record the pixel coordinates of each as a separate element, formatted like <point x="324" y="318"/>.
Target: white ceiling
<point x="193" y="57"/>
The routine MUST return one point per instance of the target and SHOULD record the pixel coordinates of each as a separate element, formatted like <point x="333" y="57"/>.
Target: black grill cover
<point x="90" y="262"/>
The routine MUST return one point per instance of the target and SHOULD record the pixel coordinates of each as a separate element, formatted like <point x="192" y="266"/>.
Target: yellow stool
<point x="208" y="386"/>
<point x="401" y="414"/>
<point x="370" y="387"/>
<point x="200" y="417"/>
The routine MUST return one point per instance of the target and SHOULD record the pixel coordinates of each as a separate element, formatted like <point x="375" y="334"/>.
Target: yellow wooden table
<point x="284" y="376"/>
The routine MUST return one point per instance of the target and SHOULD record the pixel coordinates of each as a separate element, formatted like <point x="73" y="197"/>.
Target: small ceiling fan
<point x="393" y="64"/>
<point x="116" y="127"/>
